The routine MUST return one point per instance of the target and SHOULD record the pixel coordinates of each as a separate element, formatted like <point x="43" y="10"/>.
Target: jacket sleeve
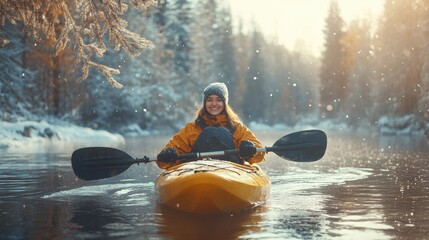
<point x="242" y="133"/>
<point x="181" y="141"/>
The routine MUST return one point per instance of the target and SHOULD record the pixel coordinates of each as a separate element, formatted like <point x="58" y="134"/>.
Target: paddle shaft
<point x="201" y="155"/>
<point x="195" y="155"/>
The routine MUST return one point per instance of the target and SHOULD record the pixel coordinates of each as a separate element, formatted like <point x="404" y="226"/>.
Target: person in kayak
<point x="217" y="127"/>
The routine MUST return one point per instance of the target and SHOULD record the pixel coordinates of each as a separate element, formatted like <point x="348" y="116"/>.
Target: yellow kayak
<point x="212" y="187"/>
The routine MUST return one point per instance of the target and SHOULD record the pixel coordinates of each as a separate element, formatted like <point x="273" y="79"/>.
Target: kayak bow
<point x="212" y="187"/>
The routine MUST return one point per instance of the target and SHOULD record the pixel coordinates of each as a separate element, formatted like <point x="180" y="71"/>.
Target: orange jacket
<point x="187" y="136"/>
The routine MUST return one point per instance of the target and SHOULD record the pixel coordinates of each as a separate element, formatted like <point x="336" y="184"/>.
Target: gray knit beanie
<point x="218" y="89"/>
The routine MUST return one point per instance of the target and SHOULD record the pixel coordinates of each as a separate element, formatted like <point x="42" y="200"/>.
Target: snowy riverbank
<point x="26" y="134"/>
<point x="21" y="135"/>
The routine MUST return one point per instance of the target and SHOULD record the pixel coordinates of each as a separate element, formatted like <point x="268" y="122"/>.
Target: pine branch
<point x="85" y="24"/>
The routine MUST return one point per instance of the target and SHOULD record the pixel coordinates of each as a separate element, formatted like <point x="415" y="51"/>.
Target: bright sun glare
<point x="298" y="24"/>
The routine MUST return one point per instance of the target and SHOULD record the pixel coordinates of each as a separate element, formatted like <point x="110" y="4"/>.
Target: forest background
<point x="363" y="79"/>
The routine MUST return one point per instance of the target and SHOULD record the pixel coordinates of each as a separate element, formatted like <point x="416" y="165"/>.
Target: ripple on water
<point x="125" y="193"/>
<point x="296" y="208"/>
<point x="298" y="188"/>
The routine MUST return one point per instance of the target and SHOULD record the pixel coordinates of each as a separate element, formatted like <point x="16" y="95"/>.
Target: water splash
<point x="125" y="194"/>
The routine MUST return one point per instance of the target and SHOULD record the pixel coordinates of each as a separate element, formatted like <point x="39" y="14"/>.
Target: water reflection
<point x="177" y="225"/>
<point x="296" y="206"/>
<point x="96" y="219"/>
<point x="301" y="225"/>
<point x="401" y="143"/>
<point x="351" y="208"/>
<point x="392" y="202"/>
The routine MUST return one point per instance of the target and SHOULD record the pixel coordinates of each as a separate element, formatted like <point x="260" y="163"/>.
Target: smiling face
<point x="214" y="105"/>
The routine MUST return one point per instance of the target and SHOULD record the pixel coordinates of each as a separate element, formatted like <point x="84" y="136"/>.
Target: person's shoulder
<point x="187" y="126"/>
<point x="190" y="125"/>
<point x="240" y="126"/>
<point x="239" y="123"/>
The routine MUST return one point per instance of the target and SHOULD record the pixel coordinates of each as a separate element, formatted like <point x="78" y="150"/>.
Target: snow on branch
<point x="84" y="23"/>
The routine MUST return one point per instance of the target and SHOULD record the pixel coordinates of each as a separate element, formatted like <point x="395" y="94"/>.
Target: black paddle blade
<point x="94" y="163"/>
<point x="303" y="146"/>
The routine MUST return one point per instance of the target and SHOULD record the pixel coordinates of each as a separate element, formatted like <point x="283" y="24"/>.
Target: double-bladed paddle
<point x="94" y="163"/>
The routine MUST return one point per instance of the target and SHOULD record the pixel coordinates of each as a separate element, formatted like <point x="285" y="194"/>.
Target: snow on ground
<point x="21" y="135"/>
<point x="310" y="122"/>
<point x="404" y="125"/>
<point x="401" y="126"/>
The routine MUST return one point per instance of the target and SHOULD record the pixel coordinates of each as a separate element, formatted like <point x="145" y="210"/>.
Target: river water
<point x="367" y="186"/>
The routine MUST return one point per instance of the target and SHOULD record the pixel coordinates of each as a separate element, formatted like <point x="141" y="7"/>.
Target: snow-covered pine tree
<point x="397" y="59"/>
<point x="225" y="52"/>
<point x="360" y="60"/>
<point x="333" y="73"/>
<point x="16" y="83"/>
<point x="423" y="104"/>
<point x="204" y="43"/>
<point x="87" y="25"/>
<point x="255" y="96"/>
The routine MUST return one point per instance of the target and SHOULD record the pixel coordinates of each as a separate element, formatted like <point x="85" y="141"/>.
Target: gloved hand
<point x="247" y="149"/>
<point x="168" y="155"/>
